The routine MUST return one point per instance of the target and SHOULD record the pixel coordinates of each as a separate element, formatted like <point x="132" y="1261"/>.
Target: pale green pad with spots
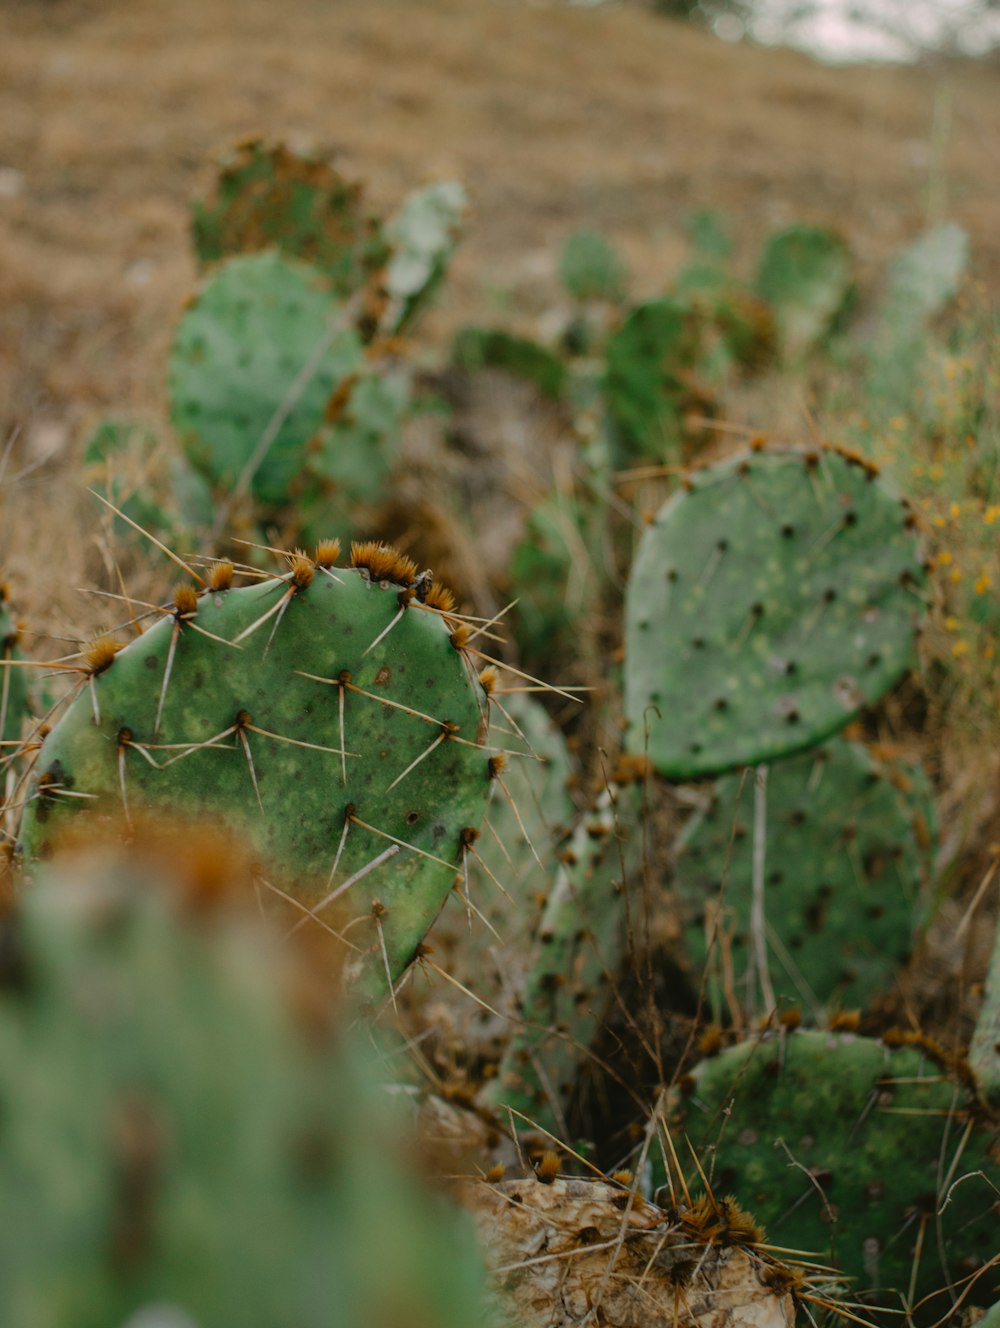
<point x="260" y="338"/>
<point x="297" y="828"/>
<point x="768" y="603"/>
<point x="574" y="959"/>
<point x="847" y="848"/>
<point x="848" y="1151"/>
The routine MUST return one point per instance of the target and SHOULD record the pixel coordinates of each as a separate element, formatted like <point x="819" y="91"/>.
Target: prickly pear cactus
<point x="772" y="598"/>
<point x="984" y="1051"/>
<point x="574" y="959"/>
<point x="492" y="348"/>
<point x="805" y="276"/>
<point x="422" y="236"/>
<point x="255" y="361"/>
<point x="647" y="379"/>
<point x="846" y="865"/>
<point x="269" y="197"/>
<point x="330" y="715"/>
<point x="592" y="269"/>
<point x="483" y="937"/>
<point x="13" y="684"/>
<point x="874" y="1160"/>
<point x="152" y="486"/>
<point x="552" y="577"/>
<point x="178" y="1145"/>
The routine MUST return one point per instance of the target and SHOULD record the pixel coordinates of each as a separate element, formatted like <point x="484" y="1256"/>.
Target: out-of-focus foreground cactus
<point x="184" y="1131"/>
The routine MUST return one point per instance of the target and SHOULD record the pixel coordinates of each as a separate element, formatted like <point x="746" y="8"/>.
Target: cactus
<point x="422" y="235"/>
<point x="268" y="197"/>
<point x="874" y="1160"/>
<point x="922" y="280"/>
<point x="491" y="348"/>
<point x="984" y="1052"/>
<point x="592" y="269"/>
<point x="13" y="685"/>
<point x="771" y="599"/>
<point x="332" y="716"/>
<point x="647" y="379"/>
<point x="179" y="1143"/>
<point x="575" y="957"/>
<point x="149" y="485"/>
<point x="254" y="364"/>
<point x="483" y="938"/>
<point x="846" y="859"/>
<point x="552" y="575"/>
<point x="805" y="276"/>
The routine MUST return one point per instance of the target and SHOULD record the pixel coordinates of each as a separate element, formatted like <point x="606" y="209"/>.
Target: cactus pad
<point x="422" y="236"/>
<point x="268" y="197"/>
<point x="805" y="276"/>
<point x="492" y="348"/>
<point x="208" y="712"/>
<point x="13" y="685"/>
<point x="847" y="842"/>
<point x="259" y="339"/>
<point x="850" y="1151"/>
<point x="176" y="1147"/>
<point x="646" y="382"/>
<point x="591" y="268"/>
<point x="574" y="960"/>
<point x="770" y="600"/>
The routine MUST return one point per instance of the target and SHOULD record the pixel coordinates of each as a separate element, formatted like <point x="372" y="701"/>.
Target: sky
<point x="839" y="30"/>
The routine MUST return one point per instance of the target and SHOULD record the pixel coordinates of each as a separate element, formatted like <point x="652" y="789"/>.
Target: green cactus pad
<point x="176" y="1146"/>
<point x="528" y="813"/>
<point x="851" y="1152"/>
<point x="421" y="235"/>
<point x="239" y="355"/>
<point x="268" y="197"/>
<point x="148" y="482"/>
<point x="847" y="845"/>
<point x="574" y="959"/>
<point x="646" y="383"/>
<point x="805" y="276"/>
<point x="591" y="268"/>
<point x="552" y="576"/>
<point x="492" y="348"/>
<point x="233" y="741"/>
<point x="13" y="683"/>
<point x="771" y="599"/>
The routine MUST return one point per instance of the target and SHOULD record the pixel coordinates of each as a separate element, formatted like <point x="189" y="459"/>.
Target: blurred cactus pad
<point x="268" y="197"/>
<point x="330" y="715"/>
<point x="180" y="1142"/>
<point x="774" y="595"/>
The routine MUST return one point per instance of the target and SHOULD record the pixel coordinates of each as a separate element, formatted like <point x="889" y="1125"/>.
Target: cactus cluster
<point x="339" y="721"/>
